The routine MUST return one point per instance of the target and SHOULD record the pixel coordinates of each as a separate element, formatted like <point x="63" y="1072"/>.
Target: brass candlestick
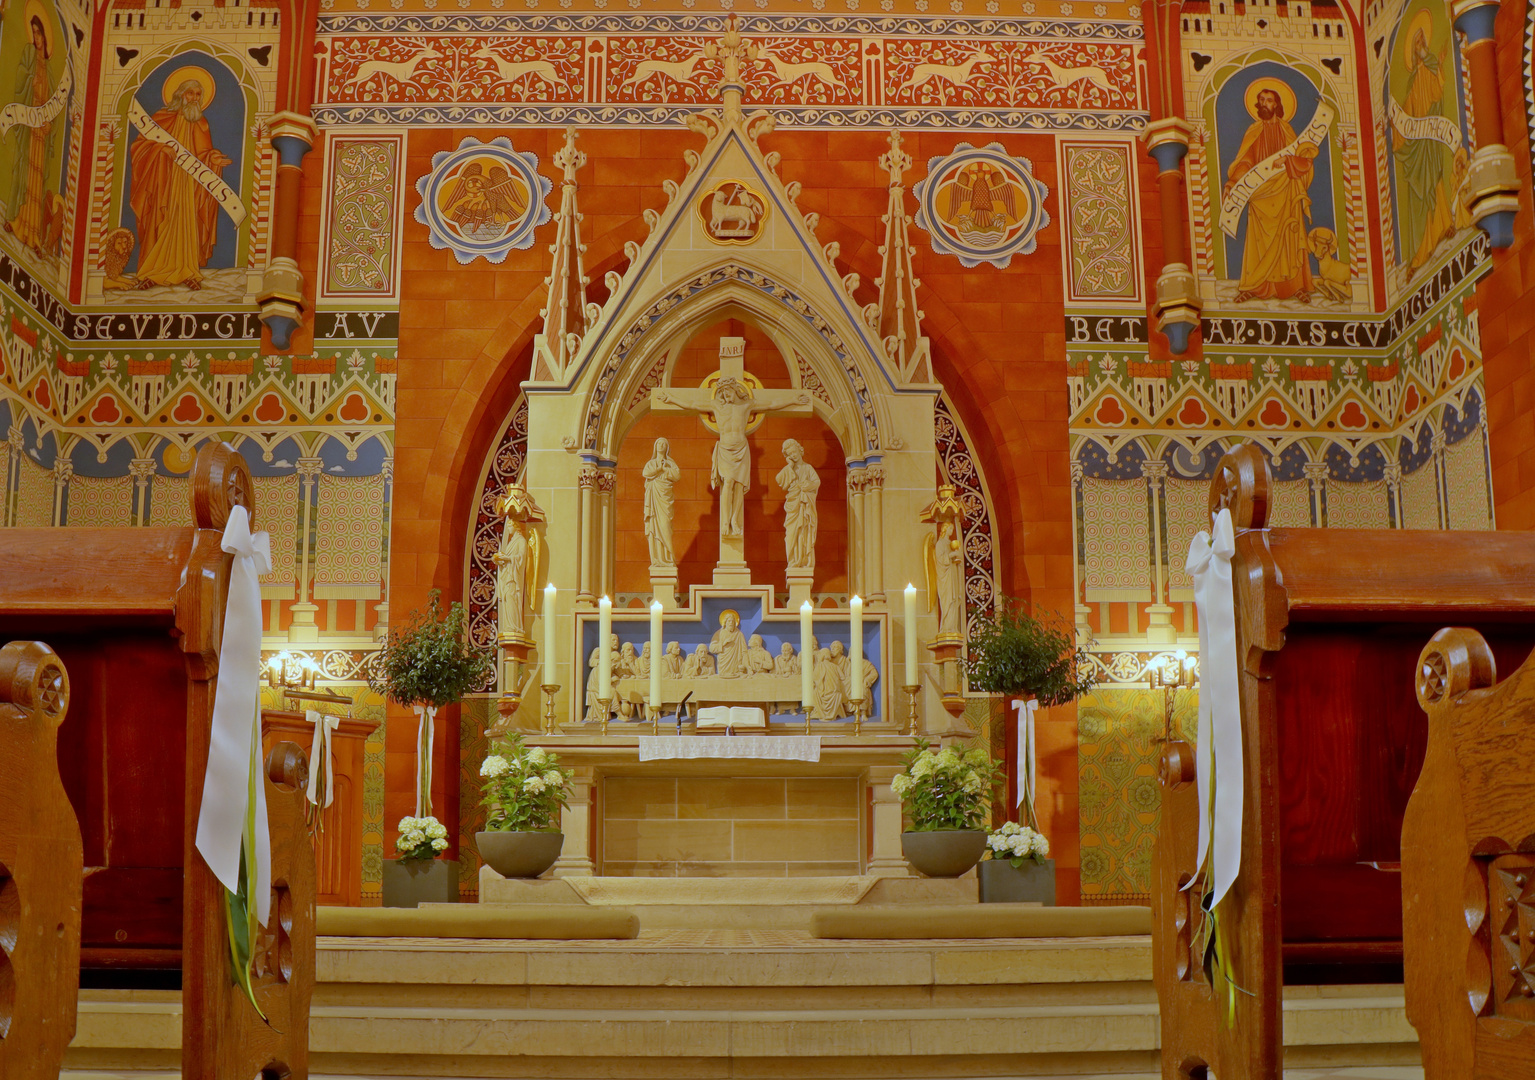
<point x="807" y="719"/>
<point x="604" y="704"/>
<point x="655" y="718"/>
<point x="858" y="709"/>
<point x="912" y="690"/>
<point x="549" y="689"/>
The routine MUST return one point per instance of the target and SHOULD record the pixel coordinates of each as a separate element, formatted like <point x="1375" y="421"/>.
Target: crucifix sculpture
<point x="731" y="405"/>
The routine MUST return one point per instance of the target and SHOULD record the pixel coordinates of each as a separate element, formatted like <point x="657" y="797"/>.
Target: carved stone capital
<point x="141" y="469"/>
<point x="310" y="467"/>
<point x="1154" y="470"/>
<point x="63" y="470"/>
<point x="586" y="479"/>
<point x="874" y="477"/>
<point x="1314" y="470"/>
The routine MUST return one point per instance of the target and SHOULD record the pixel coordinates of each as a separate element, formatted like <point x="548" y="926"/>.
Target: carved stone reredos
<point x="732" y="243"/>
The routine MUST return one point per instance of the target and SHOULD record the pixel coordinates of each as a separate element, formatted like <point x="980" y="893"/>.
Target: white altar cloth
<point x="763" y="747"/>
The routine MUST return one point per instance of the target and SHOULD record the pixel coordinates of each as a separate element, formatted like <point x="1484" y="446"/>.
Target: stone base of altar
<point x="700" y="903"/>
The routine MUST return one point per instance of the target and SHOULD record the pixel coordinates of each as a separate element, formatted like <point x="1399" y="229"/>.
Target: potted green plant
<point x="1033" y="660"/>
<point x="523" y="794"/>
<point x="1018" y="867"/>
<point x="945" y="793"/>
<point x="426" y="665"/>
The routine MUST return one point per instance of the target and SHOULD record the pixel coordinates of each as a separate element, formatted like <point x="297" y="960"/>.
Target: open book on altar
<point x="731" y="716"/>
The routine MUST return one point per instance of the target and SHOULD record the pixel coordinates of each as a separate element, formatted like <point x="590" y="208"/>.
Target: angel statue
<point x="944" y="560"/>
<point x="516" y="560"/>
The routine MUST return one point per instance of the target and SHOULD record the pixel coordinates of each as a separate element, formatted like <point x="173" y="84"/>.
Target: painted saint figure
<point x="1275" y="263"/>
<point x="177" y="216"/>
<point x="1424" y="166"/>
<point x="29" y="203"/>
<point x="661" y="474"/>
<point x="800" y="484"/>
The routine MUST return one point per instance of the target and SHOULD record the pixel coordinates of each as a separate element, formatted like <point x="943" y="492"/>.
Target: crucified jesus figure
<point x="732" y="407"/>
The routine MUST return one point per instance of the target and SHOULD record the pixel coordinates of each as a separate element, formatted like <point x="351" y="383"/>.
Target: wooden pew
<point x="1468" y="866"/>
<point x="137" y="616"/>
<point x="1329" y="626"/>
<point x="39" y="868"/>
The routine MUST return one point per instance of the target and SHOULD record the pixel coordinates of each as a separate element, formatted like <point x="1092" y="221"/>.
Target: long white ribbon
<point x="1028" y="766"/>
<point x="426" y="733"/>
<point x="234" y="774"/>
<point x="1219" y="751"/>
<point x="319" y="750"/>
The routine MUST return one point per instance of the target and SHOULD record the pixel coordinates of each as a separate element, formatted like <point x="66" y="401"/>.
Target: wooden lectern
<point x="1329" y="624"/>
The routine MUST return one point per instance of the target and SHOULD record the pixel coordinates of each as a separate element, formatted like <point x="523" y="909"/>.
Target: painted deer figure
<point x="789" y="74"/>
<point x="401" y="71"/>
<point x="953" y="74"/>
<point x="680" y="71"/>
<point x="1067" y="76"/>
<point x="511" y="72"/>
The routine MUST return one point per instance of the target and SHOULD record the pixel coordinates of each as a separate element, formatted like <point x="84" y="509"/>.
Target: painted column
<point x="1438" y="444"/>
<point x="1160" y="612"/>
<point x="63" y="473"/>
<point x="874" y="534"/>
<point x="1177" y="304"/>
<point x="381" y="609"/>
<point x="1393" y="475"/>
<point x="1316" y="473"/>
<point x="303" y="627"/>
<point x="855" y="538"/>
<point x="282" y="284"/>
<point x="885" y="858"/>
<point x="605" y="532"/>
<point x="1491" y="184"/>
<point x="584" y="532"/>
<point x="141" y="469"/>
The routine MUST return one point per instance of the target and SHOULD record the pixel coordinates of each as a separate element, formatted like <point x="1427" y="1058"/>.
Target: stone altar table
<point x="858" y="770"/>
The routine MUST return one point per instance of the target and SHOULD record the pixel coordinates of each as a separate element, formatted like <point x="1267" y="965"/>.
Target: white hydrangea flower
<point x="972" y="784"/>
<point x="553" y="779"/>
<point x="901" y="785"/>
<point x="534" y="784"/>
<point x="494" y="765"/>
<point x="537" y="755"/>
<point x="1041" y="846"/>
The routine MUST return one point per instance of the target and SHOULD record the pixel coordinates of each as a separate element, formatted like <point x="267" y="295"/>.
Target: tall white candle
<point x="911" y="634"/>
<point x="856" y="603"/>
<point x="604" y="650"/>
<point x="806" y="657"/>
<point x="655" y="654"/>
<point x="549" y="635"/>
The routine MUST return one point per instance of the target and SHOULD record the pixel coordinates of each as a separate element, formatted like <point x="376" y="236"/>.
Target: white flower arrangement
<point x="946" y="789"/>
<point x="1015" y="842"/>
<point x="421" y="838"/>
<point x="524" y="789"/>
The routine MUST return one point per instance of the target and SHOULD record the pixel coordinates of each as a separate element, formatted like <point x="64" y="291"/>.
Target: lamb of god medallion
<point x="732" y="212"/>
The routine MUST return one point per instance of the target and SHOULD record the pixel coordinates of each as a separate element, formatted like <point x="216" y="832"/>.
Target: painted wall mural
<point x="483" y="200"/>
<point x="981" y="205"/>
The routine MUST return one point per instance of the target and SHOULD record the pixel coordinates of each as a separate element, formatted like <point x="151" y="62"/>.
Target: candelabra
<point x="295" y="677"/>
<point x="1172" y="672"/>
<point x="549" y="689"/>
<point x="912" y="690"/>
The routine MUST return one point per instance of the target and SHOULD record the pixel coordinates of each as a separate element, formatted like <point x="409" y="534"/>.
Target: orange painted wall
<point x="998" y="346"/>
<point x="1506" y="299"/>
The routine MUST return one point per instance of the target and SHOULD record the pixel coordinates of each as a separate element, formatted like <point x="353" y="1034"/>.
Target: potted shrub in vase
<point x="1030" y="660"/>
<point x="427" y="665"/>
<point x="523" y="794"/>
<point x="945" y="793"/>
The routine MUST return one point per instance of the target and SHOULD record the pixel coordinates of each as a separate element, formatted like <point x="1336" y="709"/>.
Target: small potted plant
<point x="945" y="793"/>
<point x="427" y="665"/>
<point x="523" y="794"/>
<point x="1018" y="868"/>
<point x="1027" y="656"/>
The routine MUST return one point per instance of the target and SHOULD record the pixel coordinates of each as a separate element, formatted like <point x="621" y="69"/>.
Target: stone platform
<point x="743" y="1003"/>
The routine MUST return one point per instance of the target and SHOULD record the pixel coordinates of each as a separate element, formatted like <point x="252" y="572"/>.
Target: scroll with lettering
<point x="1439" y="128"/>
<point x="1244" y="189"/>
<point x="36" y="116"/>
<point x="188" y="163"/>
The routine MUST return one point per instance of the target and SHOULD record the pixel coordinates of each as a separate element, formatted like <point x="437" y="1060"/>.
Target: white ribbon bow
<point x="426" y="716"/>
<point x="319" y="751"/>
<point x="1219" y="751"/>
<point x="1027" y="764"/>
<point x="235" y="775"/>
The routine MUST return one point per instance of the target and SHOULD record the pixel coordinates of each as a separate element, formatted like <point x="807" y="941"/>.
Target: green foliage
<point x="944" y="789"/>
<point x="1017" y="653"/>
<point x="524" y="790"/>
<point x="430" y="661"/>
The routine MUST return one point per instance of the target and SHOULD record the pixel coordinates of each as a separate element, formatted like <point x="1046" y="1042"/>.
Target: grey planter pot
<point x="1031" y="882"/>
<point x="408" y="882"/>
<point x="519" y="854"/>
<point x="944" y="852"/>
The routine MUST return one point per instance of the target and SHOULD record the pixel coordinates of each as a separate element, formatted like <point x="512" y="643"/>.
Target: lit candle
<point x="911" y="634"/>
<point x="806" y="657"/>
<point x="856" y="603"/>
<point x="604" y="650"/>
<point x="549" y="594"/>
<point x="655" y="654"/>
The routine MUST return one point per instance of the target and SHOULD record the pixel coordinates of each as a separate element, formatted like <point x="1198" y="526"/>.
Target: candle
<point x="856" y="603"/>
<point x="806" y="658"/>
<point x="655" y="654"/>
<point x="549" y="594"/>
<point x="604" y="650"/>
<point x="911" y="634"/>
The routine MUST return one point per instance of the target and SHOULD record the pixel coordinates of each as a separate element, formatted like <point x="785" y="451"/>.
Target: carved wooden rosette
<point x="1468" y="865"/>
<point x="40" y="867"/>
